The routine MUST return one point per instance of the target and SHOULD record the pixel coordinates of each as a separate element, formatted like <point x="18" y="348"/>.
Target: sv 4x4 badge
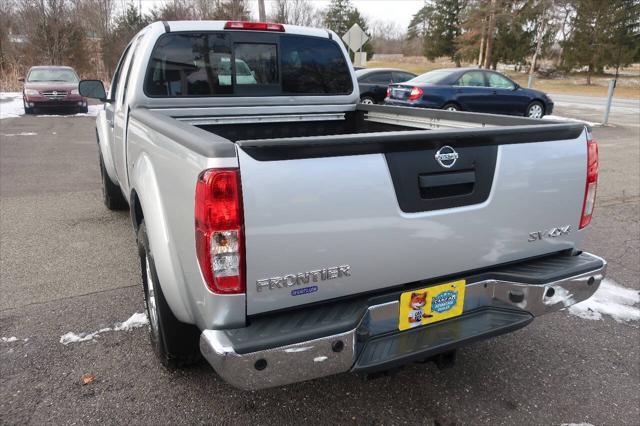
<point x="549" y="233"/>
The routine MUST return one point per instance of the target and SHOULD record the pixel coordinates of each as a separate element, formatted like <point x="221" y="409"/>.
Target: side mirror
<point x="21" y="79"/>
<point x="516" y="86"/>
<point x="93" y="89"/>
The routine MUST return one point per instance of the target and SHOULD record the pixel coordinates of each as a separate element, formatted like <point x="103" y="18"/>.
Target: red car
<point x="52" y="87"/>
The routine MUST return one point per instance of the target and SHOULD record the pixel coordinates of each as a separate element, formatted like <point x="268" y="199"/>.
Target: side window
<point x="379" y="78"/>
<point x="499" y="82"/>
<point x="401" y="77"/>
<point x="472" y="79"/>
<point x="116" y="75"/>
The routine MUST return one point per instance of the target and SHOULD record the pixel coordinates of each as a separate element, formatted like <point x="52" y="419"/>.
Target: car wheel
<point x="367" y="100"/>
<point x="451" y="107"/>
<point x="535" y="110"/>
<point x="111" y="194"/>
<point x="83" y="110"/>
<point x="174" y="343"/>
<point x="27" y="110"/>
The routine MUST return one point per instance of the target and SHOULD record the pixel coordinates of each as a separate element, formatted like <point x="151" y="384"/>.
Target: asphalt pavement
<point x="70" y="265"/>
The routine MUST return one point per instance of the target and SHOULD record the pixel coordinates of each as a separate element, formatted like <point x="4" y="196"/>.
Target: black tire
<point x="534" y="108"/>
<point x="367" y="100"/>
<point x="83" y="110"/>
<point x="451" y="107"/>
<point x="174" y="343"/>
<point x="111" y="194"/>
<point x="27" y="110"/>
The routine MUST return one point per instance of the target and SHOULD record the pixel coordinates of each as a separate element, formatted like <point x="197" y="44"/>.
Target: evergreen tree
<point x="340" y="17"/>
<point x="603" y="36"/>
<point x="443" y="29"/>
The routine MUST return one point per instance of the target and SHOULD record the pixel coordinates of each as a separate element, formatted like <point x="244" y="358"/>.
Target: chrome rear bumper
<point x="338" y="353"/>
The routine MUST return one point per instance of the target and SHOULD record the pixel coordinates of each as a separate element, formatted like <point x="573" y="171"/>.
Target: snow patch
<point x="573" y="120"/>
<point x="9" y="339"/>
<point x="11" y="105"/>
<point x="576" y="424"/>
<point x="611" y="299"/>
<point x="560" y="295"/>
<point x="19" y="134"/>
<point x="136" y="320"/>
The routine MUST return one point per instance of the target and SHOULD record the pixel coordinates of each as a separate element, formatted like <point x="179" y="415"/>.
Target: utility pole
<point x="482" y="40"/>
<point x="262" y="16"/>
<point x="490" y="35"/>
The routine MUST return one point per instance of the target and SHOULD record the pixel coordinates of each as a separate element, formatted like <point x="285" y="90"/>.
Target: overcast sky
<point x="398" y="11"/>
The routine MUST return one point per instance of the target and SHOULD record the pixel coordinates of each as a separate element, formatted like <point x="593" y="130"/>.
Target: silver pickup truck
<point x="287" y="232"/>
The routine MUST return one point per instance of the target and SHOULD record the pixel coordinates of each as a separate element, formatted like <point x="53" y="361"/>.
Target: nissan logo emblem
<point x="446" y="156"/>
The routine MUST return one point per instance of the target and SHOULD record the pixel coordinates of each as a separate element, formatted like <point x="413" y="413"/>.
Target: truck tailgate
<point x="324" y="221"/>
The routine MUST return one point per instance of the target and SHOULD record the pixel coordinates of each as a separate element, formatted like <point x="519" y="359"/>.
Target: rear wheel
<point x="111" y="194"/>
<point x="367" y="100"/>
<point x="451" y="107"/>
<point x="174" y="343"/>
<point x="535" y="110"/>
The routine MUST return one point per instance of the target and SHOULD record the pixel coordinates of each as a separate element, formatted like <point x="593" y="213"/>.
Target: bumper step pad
<point x="392" y="350"/>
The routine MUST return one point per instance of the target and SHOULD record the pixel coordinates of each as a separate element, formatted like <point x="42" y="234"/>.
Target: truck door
<point x="111" y="104"/>
<point x="121" y="118"/>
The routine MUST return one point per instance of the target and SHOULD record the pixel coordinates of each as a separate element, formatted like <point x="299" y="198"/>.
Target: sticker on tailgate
<point x="431" y="304"/>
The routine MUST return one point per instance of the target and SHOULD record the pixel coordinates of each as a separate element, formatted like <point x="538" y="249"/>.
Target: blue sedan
<point x="469" y="89"/>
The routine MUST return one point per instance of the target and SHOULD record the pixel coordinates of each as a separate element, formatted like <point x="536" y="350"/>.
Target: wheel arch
<point x="454" y="102"/>
<point x="147" y="205"/>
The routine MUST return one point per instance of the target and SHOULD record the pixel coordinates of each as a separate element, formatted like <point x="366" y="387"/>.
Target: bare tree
<point x="261" y="12"/>
<point x="296" y="12"/>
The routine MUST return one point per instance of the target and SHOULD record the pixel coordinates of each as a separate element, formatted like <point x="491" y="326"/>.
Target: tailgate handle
<point x="444" y="185"/>
<point x="447" y="179"/>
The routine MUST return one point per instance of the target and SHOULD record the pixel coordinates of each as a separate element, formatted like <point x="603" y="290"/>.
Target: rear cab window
<point x="246" y="64"/>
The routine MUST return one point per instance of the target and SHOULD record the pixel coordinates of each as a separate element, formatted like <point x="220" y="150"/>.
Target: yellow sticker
<point x="431" y="304"/>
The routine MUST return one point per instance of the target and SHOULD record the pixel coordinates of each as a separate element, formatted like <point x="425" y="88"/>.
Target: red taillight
<point x="592" y="183"/>
<point x="388" y="92"/>
<point x="416" y="93"/>
<point x="255" y="26"/>
<point x="219" y="230"/>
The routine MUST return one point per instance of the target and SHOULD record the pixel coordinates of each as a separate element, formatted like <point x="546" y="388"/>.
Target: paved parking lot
<point x="69" y="265"/>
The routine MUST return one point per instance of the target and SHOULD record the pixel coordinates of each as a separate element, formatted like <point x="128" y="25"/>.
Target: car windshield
<point x="51" y="74"/>
<point x="433" y="77"/>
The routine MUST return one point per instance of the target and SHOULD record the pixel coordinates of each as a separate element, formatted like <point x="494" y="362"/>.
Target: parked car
<point x="51" y="87"/>
<point x="373" y="82"/>
<point x="470" y="89"/>
<point x="286" y="231"/>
